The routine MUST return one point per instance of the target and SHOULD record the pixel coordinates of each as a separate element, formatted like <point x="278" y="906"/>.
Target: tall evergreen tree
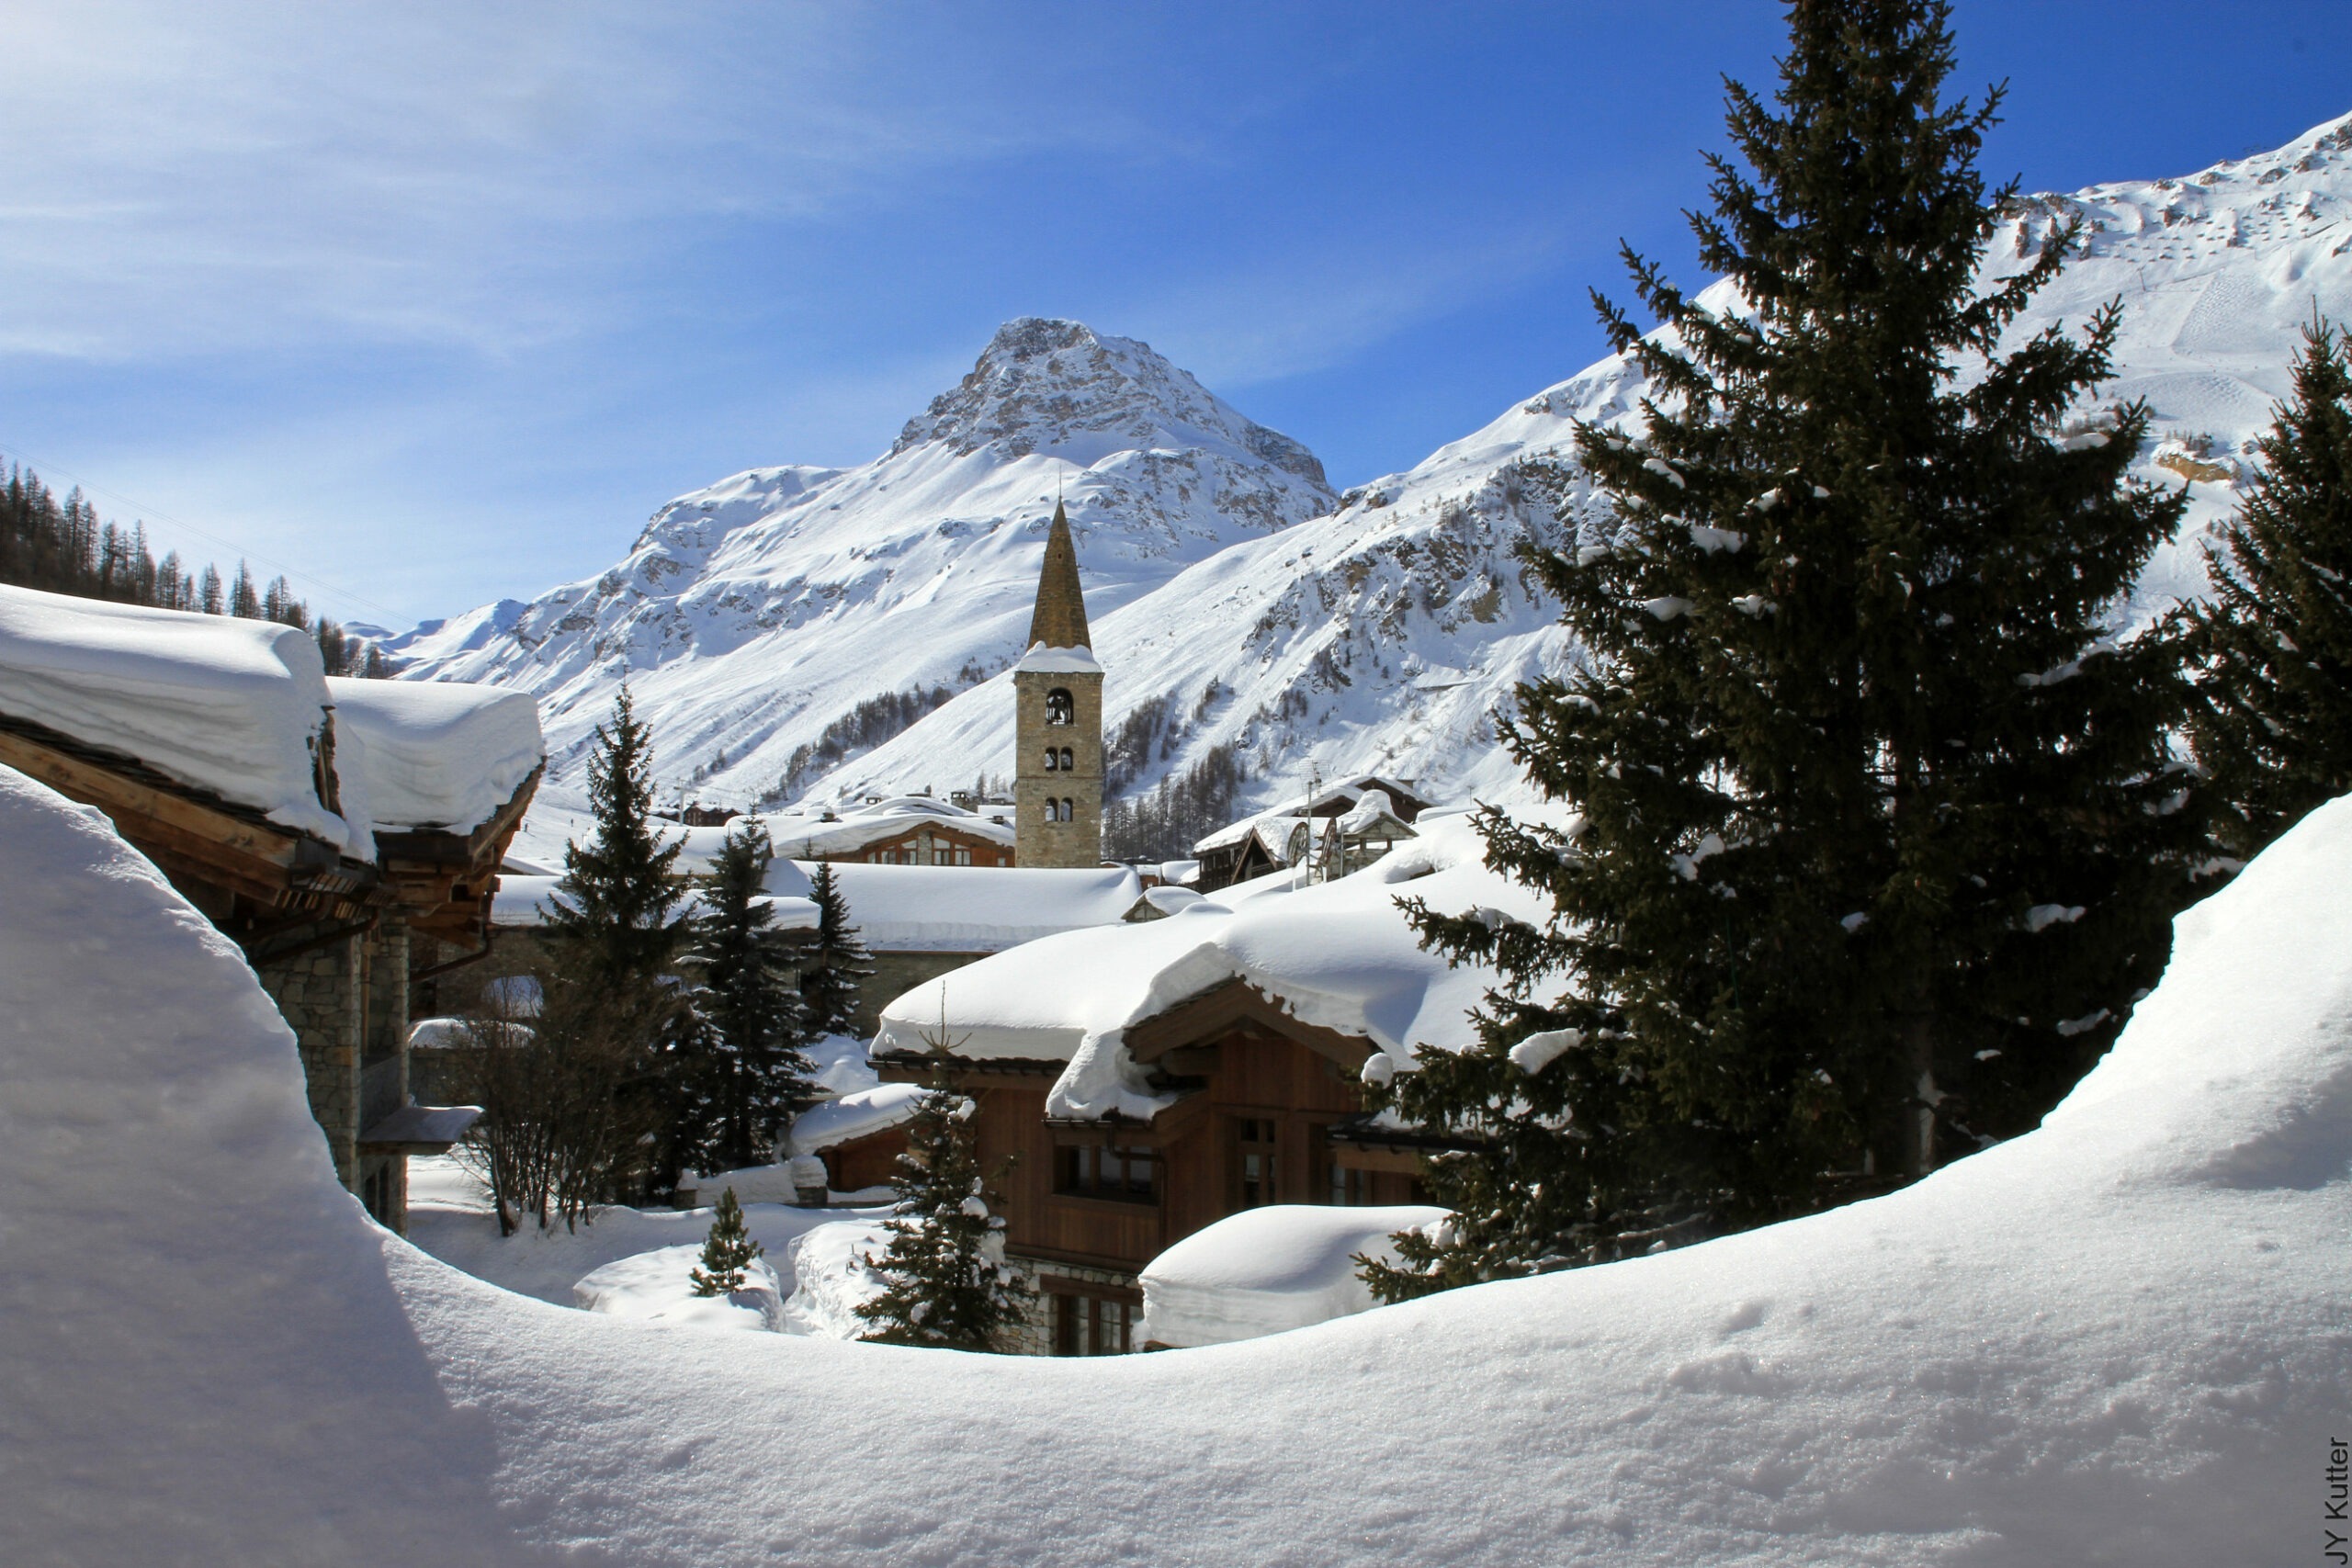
<point x="947" y="1284"/>
<point x="834" y="965"/>
<point x="1875" y="827"/>
<point x="753" y="1078"/>
<point x="616" y="904"/>
<point x="614" y="936"/>
<point x="2274" y="645"/>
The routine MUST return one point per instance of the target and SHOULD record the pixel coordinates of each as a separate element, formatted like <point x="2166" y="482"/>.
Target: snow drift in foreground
<point x="2119" y="1338"/>
<point x="1265" y="1270"/>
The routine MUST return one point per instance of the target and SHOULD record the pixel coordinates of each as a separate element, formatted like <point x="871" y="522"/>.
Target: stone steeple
<point x="1059" y="620"/>
<point x="1058" y="722"/>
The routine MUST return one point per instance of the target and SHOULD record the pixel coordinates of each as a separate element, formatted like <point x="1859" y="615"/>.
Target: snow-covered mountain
<point x="1382" y="635"/>
<point x="754" y="618"/>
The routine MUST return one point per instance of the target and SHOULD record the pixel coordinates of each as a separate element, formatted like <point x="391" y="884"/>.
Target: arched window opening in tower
<point x="1059" y="709"/>
<point x="1051" y="763"/>
<point x="1067" y="764"/>
<point x="1069" y="809"/>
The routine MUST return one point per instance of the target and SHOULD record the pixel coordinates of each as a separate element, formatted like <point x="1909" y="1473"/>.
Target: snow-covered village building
<point x="1288" y="834"/>
<point x="345" y="834"/>
<point x="907" y="829"/>
<point x="1150" y="1077"/>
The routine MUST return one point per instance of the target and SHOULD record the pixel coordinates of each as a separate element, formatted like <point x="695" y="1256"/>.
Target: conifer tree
<point x="835" y="965"/>
<point x="1875" y="830"/>
<point x="727" y="1252"/>
<point x="613" y="937"/>
<point x="2274" y="645"/>
<point x="947" y="1284"/>
<point x="754" y="1077"/>
<point x="616" y="903"/>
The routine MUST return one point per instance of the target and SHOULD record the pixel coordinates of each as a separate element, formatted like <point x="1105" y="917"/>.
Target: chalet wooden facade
<point x="1268" y="1111"/>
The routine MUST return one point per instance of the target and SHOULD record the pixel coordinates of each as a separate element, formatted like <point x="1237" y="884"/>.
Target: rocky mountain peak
<point x="1042" y="384"/>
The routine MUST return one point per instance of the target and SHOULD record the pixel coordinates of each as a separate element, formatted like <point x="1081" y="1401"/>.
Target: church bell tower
<point x="1058" y="688"/>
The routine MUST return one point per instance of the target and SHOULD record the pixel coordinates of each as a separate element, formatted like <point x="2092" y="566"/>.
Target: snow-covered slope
<point x="1381" y="635"/>
<point x="1384" y="636"/>
<point x="754" y="614"/>
<point x="2119" y="1338"/>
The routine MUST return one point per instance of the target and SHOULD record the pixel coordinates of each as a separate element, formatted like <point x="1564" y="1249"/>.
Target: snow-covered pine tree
<point x="1875" y="832"/>
<point x="727" y="1252"/>
<point x="947" y="1283"/>
<point x="613" y="937"/>
<point x="2273" y="725"/>
<point x="832" y="967"/>
<point x="753" y="1077"/>
<point x="617" y="905"/>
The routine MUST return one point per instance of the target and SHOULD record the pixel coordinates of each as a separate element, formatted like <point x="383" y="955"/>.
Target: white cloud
<point x="256" y="177"/>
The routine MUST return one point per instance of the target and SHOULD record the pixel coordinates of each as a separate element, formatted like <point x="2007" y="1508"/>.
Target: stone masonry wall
<point x="1034" y="1335"/>
<point x="320" y="993"/>
<point x="1037" y="841"/>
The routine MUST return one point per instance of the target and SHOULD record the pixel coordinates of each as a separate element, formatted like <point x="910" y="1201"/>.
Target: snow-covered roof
<point x="1338" y="954"/>
<point x="523" y="901"/>
<point x="807" y="837"/>
<point x="1042" y="660"/>
<point x="527" y="902"/>
<point x="439" y="755"/>
<point x="1272" y="825"/>
<point x="1267" y="1269"/>
<point x="853" y="1116"/>
<point x="946" y="909"/>
<point x="229" y="707"/>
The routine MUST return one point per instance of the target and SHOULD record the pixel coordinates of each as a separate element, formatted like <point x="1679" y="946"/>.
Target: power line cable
<point x="22" y="458"/>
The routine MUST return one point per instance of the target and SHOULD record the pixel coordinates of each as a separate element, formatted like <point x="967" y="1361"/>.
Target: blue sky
<point x="435" y="303"/>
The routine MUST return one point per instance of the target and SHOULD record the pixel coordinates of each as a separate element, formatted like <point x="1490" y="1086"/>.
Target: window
<point x="1350" y="1189"/>
<point x="963" y="857"/>
<point x="1254" y="1163"/>
<point x="1059" y="709"/>
<point x="1090" y="1170"/>
<point x="1052" y="758"/>
<point x="1069" y="809"/>
<point x="1093" y="1326"/>
<point x="1067" y="764"/>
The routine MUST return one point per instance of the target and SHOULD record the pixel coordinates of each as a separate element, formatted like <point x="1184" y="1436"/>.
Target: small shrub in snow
<point x="727" y="1253"/>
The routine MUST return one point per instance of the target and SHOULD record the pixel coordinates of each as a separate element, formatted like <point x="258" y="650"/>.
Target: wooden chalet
<point x="1267" y="1110"/>
<point x="335" y="939"/>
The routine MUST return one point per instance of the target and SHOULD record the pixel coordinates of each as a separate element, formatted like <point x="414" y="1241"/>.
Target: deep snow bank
<point x="2119" y="1338"/>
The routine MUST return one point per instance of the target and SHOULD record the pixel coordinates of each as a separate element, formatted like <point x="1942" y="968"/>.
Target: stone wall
<point x="321" y="993"/>
<point x="896" y="973"/>
<point x="1034" y="1335"/>
<point x="383" y="1067"/>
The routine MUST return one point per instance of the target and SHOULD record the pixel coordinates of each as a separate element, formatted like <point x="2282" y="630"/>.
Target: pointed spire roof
<point x="1061" y="618"/>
